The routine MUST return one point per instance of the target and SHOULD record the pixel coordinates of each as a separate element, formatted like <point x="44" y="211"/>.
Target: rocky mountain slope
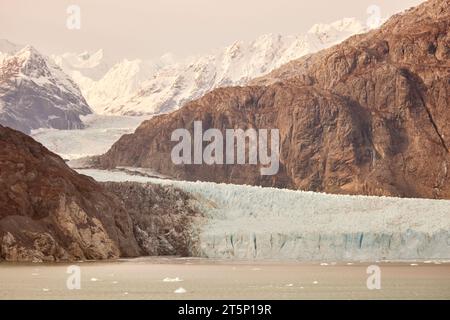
<point x="49" y="212"/>
<point x="139" y="87"/>
<point x="165" y="219"/>
<point x="35" y="93"/>
<point x="368" y="116"/>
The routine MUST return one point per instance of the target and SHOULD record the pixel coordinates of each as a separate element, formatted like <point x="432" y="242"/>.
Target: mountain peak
<point x="29" y="53"/>
<point x="367" y="116"/>
<point x="350" y="25"/>
<point x="164" y="84"/>
<point x="35" y="93"/>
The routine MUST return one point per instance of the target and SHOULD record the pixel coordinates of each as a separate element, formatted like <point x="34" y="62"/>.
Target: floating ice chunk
<point x="315" y="282"/>
<point x="289" y="285"/>
<point x="180" y="290"/>
<point x="172" y="279"/>
<point x="94" y="279"/>
<point x="413" y="264"/>
<point x="324" y="264"/>
<point x="45" y="289"/>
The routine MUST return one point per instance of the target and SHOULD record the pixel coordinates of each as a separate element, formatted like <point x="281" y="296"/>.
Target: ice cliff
<point x="245" y="222"/>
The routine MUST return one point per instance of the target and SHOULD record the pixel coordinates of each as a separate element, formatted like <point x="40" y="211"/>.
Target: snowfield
<point x="247" y="222"/>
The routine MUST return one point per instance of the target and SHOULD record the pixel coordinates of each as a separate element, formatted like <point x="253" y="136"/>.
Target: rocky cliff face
<point x="165" y="219"/>
<point x="48" y="212"/>
<point x="35" y="93"/>
<point x="368" y="116"/>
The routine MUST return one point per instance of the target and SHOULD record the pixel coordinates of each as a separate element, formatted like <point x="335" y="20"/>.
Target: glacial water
<point x="162" y="278"/>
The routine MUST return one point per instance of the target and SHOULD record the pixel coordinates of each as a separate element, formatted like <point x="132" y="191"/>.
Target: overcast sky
<point x="150" y="28"/>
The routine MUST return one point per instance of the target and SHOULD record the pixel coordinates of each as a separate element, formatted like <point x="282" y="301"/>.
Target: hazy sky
<point x="150" y="28"/>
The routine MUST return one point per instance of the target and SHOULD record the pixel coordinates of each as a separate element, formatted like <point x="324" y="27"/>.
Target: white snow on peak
<point x="36" y="67"/>
<point x="140" y="87"/>
<point x="92" y="65"/>
<point x="36" y="93"/>
<point x="348" y="25"/>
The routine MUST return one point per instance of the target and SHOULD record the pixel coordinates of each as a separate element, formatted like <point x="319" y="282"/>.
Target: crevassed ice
<point x="246" y="222"/>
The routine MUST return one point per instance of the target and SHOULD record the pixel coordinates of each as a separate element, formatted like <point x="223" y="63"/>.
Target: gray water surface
<point x="143" y="278"/>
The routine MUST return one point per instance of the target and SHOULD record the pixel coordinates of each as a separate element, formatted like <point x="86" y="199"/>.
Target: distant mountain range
<point x="37" y="91"/>
<point x="139" y="87"/>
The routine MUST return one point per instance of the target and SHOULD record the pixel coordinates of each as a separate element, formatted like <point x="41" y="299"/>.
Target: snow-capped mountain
<point x="149" y="87"/>
<point x="91" y="65"/>
<point x="105" y="81"/>
<point x="122" y="80"/>
<point x="36" y="93"/>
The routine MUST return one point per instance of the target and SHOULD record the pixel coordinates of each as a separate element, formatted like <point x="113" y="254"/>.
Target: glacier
<point x="248" y="222"/>
<point x="99" y="134"/>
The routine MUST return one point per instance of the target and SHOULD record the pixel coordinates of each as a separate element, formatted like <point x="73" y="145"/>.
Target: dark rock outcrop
<point x="164" y="218"/>
<point x="368" y="116"/>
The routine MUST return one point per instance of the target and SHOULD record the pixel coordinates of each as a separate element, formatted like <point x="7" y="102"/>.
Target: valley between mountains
<point x="363" y="117"/>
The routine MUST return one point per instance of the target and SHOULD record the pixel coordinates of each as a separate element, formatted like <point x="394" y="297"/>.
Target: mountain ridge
<point x="35" y="93"/>
<point x="139" y="87"/>
<point x="367" y="116"/>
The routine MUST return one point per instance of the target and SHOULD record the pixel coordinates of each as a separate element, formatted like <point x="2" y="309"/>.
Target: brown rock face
<point x="368" y="116"/>
<point x="49" y="212"/>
